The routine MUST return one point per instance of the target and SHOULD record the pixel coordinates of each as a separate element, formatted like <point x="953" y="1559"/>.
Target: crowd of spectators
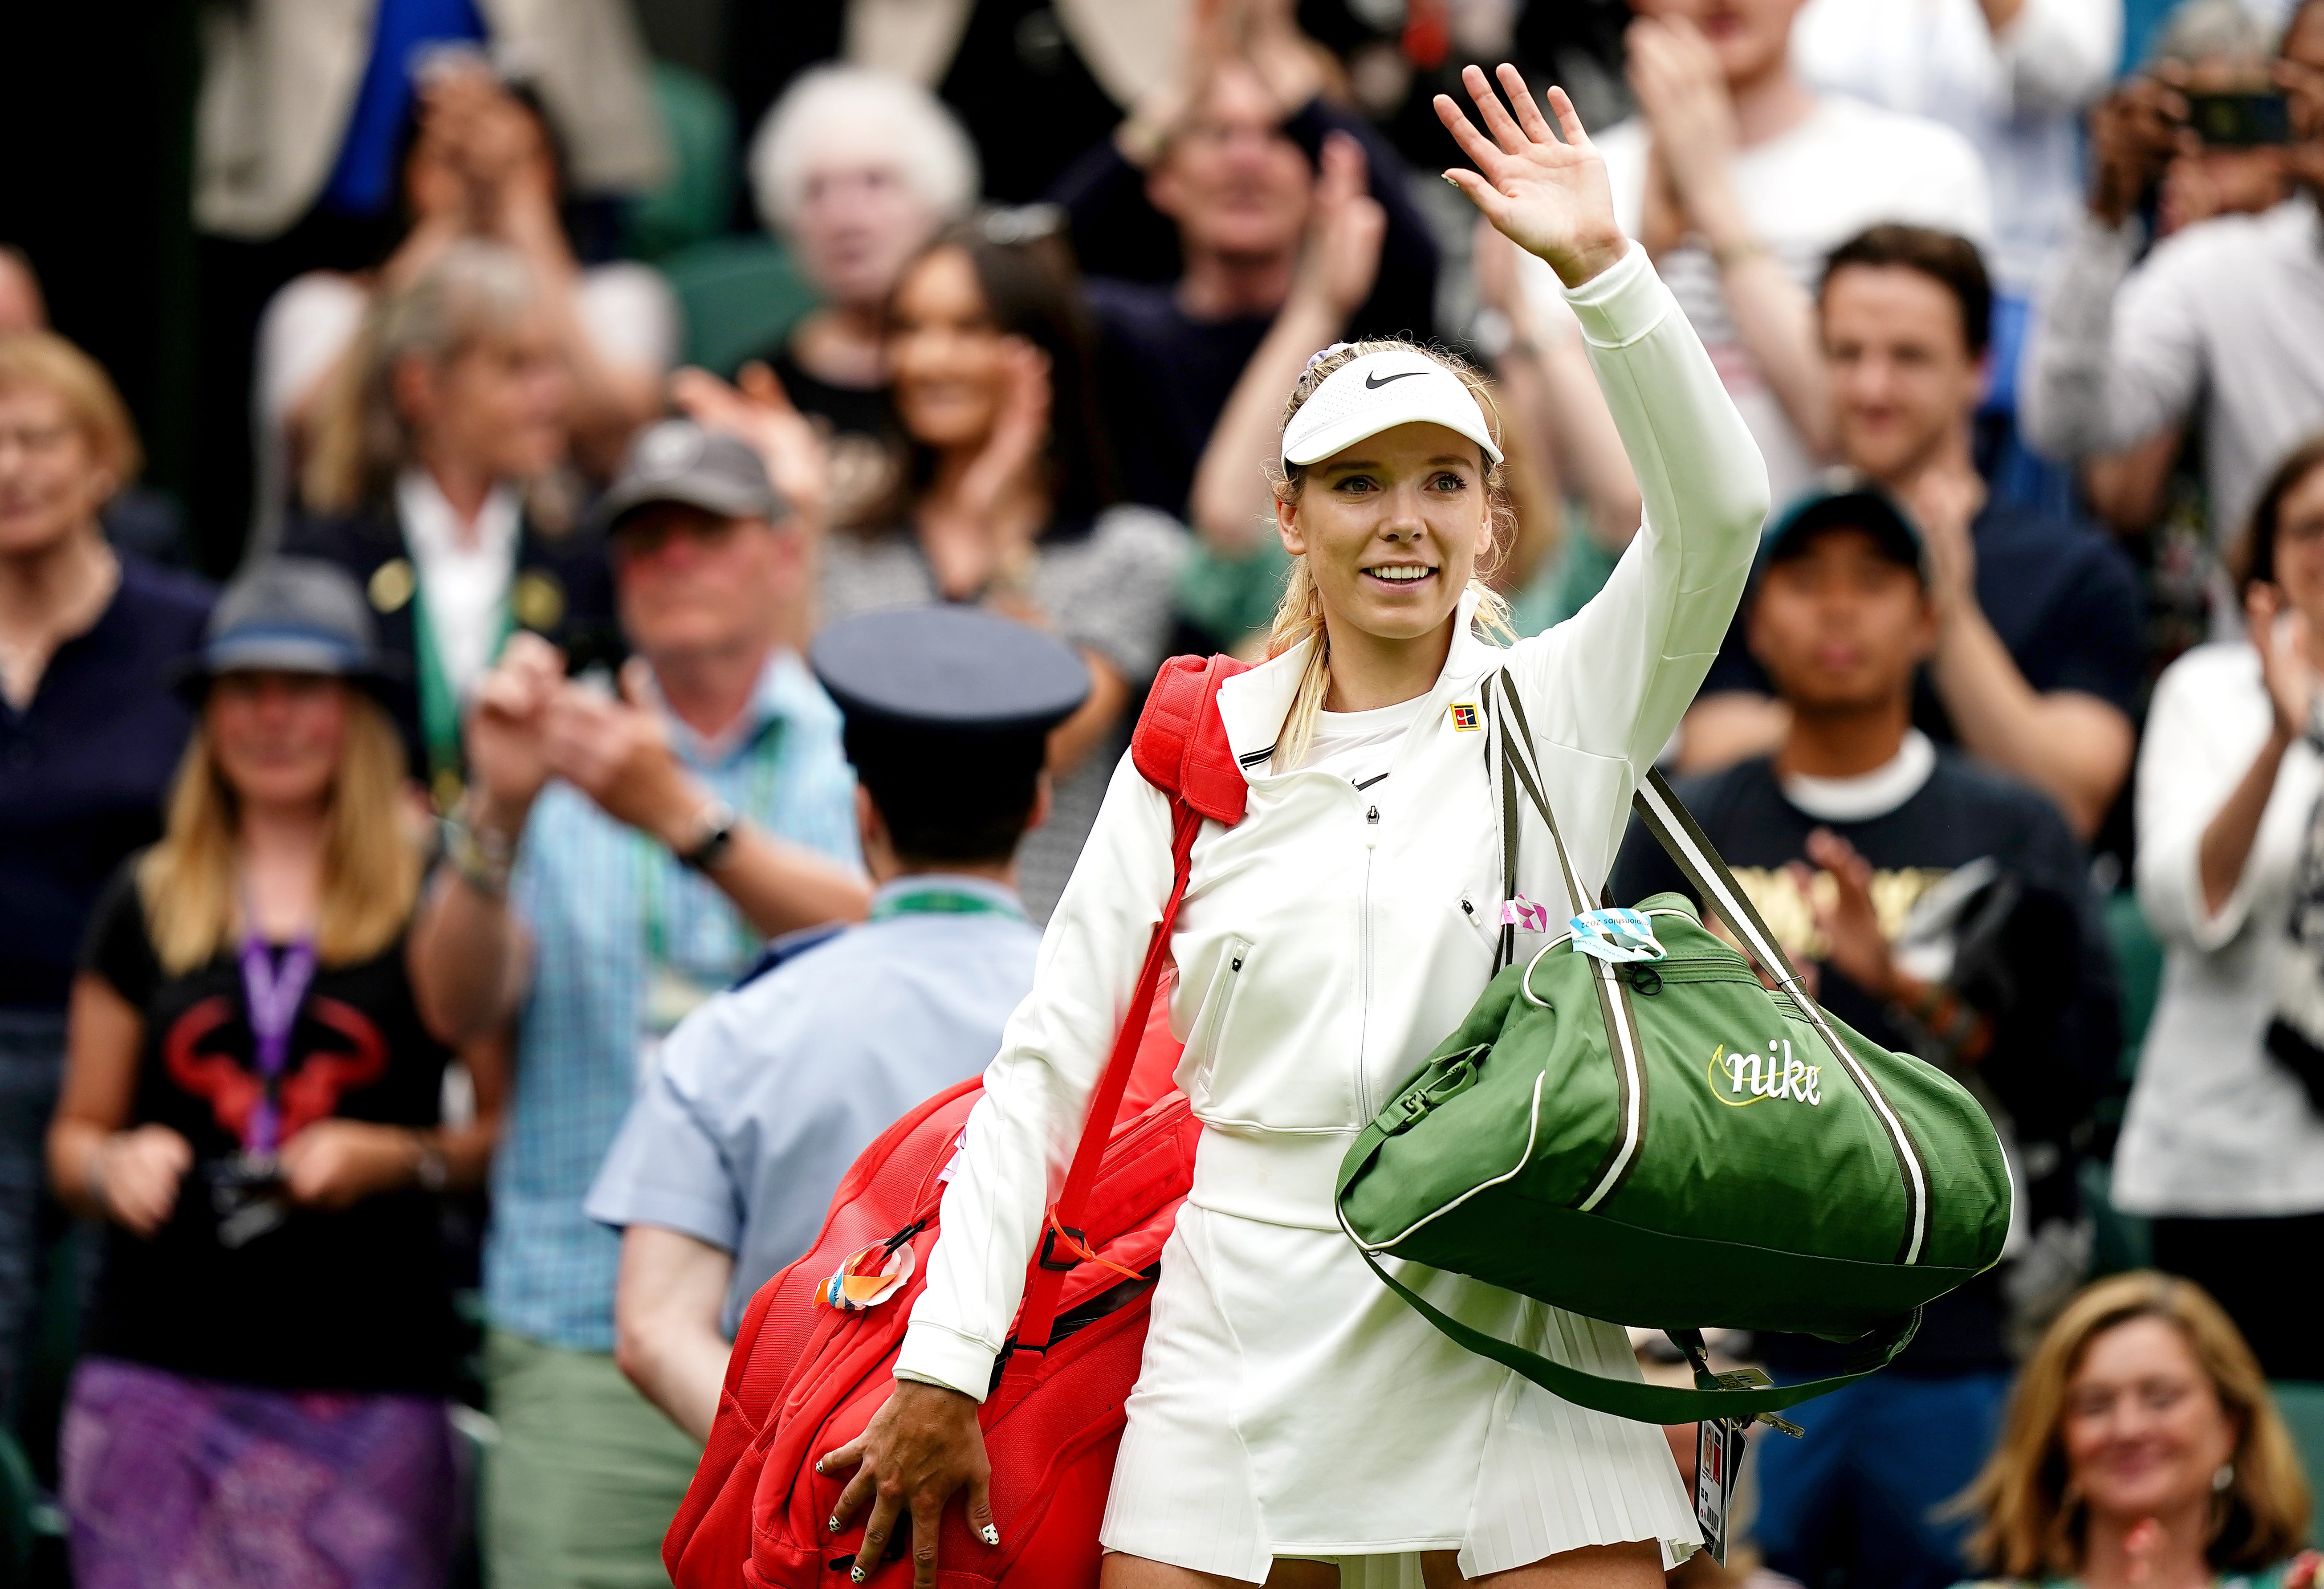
<point x="344" y="915"/>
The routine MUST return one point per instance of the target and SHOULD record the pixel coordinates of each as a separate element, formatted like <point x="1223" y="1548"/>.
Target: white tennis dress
<point x="1288" y="1403"/>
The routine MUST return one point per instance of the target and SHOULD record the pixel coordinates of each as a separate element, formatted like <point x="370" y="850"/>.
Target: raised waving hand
<point x="1547" y="194"/>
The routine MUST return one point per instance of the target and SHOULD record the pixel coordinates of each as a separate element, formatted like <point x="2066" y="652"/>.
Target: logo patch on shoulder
<point x="1464" y="718"/>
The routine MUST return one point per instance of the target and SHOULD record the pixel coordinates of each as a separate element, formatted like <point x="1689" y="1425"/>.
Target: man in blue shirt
<point x="726" y="1164"/>
<point x="619" y="859"/>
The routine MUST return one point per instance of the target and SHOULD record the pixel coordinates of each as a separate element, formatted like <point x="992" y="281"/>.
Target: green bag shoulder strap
<point x="1674" y="828"/>
<point x="1658" y="1404"/>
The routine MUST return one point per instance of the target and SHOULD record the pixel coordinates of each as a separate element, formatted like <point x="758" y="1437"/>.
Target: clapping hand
<point x="2280" y="634"/>
<point x="1849" y="922"/>
<point x="1549" y="196"/>
<point x="1340" y="259"/>
<point x="1682" y="92"/>
<point x="618" y="753"/>
<point x="758" y="411"/>
<point x="507" y="761"/>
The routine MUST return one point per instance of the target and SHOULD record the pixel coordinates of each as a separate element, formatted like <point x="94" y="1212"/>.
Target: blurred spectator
<point x="2142" y="1447"/>
<point x="617" y="862"/>
<point x="2223" y="1146"/>
<point x="2221" y="47"/>
<point x="252" y="1102"/>
<point x="1739" y="179"/>
<point x="1083" y="63"/>
<point x="432" y="479"/>
<point x="135" y="519"/>
<point x="2011" y="75"/>
<point x="2038" y="661"/>
<point x="23" y="307"/>
<point x="2014" y="77"/>
<point x="727" y="1165"/>
<point x="1945" y="909"/>
<point x="1293" y="229"/>
<point x="90" y="736"/>
<point x="855" y="171"/>
<point x="2219" y="322"/>
<point x="304" y="107"/>
<point x="483" y="162"/>
<point x="1006" y="497"/>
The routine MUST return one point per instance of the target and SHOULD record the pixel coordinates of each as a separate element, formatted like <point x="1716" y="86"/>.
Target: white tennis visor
<point x="1377" y="392"/>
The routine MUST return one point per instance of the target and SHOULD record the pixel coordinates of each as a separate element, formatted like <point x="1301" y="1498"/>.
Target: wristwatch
<point x="715" y="827"/>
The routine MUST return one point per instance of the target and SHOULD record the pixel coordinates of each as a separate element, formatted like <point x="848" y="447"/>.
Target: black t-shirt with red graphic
<point x="239" y="1285"/>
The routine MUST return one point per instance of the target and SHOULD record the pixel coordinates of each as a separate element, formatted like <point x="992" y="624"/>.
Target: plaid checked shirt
<point x="593" y="890"/>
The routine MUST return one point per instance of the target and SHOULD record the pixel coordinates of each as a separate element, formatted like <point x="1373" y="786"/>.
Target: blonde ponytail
<point x="1299" y="616"/>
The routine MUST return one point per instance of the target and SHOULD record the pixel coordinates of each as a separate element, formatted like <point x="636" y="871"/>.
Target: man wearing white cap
<point x="1291" y="1412"/>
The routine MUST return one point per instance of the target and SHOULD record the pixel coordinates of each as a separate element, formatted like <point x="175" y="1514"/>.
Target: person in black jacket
<point x="1945" y="908"/>
<point x="435" y="481"/>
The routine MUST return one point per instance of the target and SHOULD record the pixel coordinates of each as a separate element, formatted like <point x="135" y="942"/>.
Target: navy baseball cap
<point x="1844" y="499"/>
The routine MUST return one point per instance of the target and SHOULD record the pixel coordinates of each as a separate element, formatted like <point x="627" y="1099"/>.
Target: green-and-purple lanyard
<point x="274" y="993"/>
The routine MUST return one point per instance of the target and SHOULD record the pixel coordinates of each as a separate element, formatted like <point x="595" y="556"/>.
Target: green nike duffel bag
<point x="1643" y="1132"/>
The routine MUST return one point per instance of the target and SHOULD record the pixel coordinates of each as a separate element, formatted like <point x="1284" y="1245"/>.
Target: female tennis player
<point x="1290" y="1413"/>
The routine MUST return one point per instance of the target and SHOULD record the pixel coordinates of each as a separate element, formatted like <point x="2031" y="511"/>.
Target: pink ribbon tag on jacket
<point x="1525" y="915"/>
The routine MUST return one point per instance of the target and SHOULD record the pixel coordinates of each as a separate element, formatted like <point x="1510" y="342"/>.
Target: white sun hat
<point x="1376" y="392"/>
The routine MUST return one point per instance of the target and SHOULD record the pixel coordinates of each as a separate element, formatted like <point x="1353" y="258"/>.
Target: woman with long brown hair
<point x="252" y="1102"/>
<point x="2141" y="1448"/>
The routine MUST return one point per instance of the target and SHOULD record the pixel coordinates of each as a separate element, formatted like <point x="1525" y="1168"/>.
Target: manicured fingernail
<point x="855" y="1574"/>
<point x="834" y="1524"/>
<point x="991" y="1536"/>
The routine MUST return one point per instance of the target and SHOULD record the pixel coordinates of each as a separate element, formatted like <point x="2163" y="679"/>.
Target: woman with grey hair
<point x="436" y="476"/>
<point x="855" y="170"/>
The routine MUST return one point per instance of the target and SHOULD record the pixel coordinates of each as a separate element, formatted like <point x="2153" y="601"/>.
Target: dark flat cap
<point x="949" y="670"/>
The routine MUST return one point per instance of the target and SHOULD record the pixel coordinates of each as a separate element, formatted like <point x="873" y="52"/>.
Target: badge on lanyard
<point x="1718" y="1453"/>
<point x="246" y="1189"/>
<point x="671" y="996"/>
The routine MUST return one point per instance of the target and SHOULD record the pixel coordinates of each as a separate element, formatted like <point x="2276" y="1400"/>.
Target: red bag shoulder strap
<point x="1180" y="745"/>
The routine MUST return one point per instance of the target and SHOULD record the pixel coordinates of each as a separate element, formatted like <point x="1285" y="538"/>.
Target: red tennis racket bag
<point x="805" y="1376"/>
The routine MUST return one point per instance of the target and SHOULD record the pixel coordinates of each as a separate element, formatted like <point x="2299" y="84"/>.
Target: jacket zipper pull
<point x="1371" y="816"/>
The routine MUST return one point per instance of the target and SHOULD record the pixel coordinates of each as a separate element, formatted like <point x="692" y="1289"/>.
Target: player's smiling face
<point x="1392" y="528"/>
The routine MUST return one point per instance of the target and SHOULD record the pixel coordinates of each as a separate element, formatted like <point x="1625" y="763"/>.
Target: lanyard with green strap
<point x="941" y="902"/>
<point x="439" y="703"/>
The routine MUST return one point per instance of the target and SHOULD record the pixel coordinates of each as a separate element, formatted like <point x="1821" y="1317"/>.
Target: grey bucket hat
<point x="292" y="616"/>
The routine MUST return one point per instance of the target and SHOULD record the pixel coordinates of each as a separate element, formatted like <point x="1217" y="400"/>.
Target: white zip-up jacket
<point x="1332" y="937"/>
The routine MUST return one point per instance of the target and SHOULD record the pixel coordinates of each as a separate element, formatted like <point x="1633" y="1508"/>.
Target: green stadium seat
<point x="2138" y="970"/>
<point x="697" y="200"/>
<point x="2301" y="1403"/>
<point x="740" y="296"/>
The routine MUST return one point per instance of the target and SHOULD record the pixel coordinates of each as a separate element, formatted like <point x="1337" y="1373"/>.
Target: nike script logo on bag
<point x="1374" y="382"/>
<point x="1750" y="1078"/>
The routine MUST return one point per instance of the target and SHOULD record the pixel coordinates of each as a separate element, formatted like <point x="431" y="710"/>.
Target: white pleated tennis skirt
<point x="1290" y="1405"/>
